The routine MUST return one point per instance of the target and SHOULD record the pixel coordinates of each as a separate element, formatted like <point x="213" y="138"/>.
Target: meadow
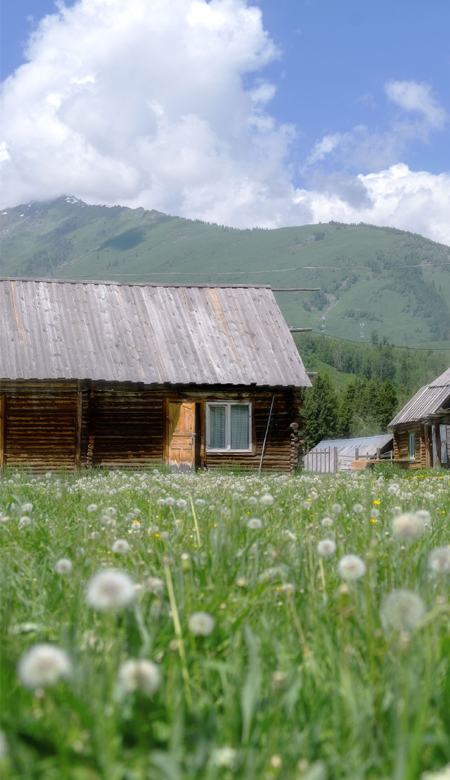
<point x="210" y="626"/>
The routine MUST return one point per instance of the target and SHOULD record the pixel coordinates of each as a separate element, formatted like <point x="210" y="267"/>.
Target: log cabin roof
<point x="150" y="333"/>
<point x="427" y="401"/>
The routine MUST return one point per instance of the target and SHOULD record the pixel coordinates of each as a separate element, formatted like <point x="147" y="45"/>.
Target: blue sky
<point x="307" y="111"/>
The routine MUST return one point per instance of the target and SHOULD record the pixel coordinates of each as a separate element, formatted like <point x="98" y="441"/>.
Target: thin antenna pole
<point x="265" y="437"/>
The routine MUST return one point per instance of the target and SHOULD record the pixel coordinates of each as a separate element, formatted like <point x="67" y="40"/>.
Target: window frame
<point x="227" y="405"/>
<point x="412" y="450"/>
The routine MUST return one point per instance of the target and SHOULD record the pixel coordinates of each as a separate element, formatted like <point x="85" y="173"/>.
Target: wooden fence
<point x="322" y="461"/>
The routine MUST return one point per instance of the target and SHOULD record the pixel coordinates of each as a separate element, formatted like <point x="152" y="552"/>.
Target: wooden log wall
<point x="39" y="425"/>
<point x="127" y="425"/>
<point x="401" y="444"/>
<point x="282" y="446"/>
<point x="49" y="425"/>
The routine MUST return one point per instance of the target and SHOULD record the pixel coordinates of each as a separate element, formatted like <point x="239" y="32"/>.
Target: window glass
<point x="217" y="438"/>
<point x="412" y="445"/>
<point x="239" y="427"/>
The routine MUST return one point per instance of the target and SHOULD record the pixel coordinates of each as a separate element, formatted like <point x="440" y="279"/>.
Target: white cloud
<point x="364" y="148"/>
<point x="411" y="96"/>
<point x="144" y="104"/>
<point x="410" y="200"/>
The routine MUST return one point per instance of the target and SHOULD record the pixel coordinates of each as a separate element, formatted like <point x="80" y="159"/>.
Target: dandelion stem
<point x="178" y="632"/>
<point x="324" y="584"/>
<point x="195" y="520"/>
<point x="296" y="618"/>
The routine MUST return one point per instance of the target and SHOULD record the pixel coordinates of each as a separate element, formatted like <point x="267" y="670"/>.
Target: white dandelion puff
<point x="26" y="508"/>
<point x="326" y="548"/>
<point x="170" y="501"/>
<point x="407" y="527"/>
<point x="358" y="508"/>
<point x="336" y="509"/>
<point x="267" y="499"/>
<point x="24" y="522"/>
<point x="120" y="546"/>
<point x="142" y="675"/>
<point x="352" y="567"/>
<point x="201" y="623"/>
<point x="110" y="590"/>
<point x="402" y="610"/>
<point x="252" y="501"/>
<point x="156" y="585"/>
<point x="424" y="515"/>
<point x="224" y="757"/>
<point x="439" y="560"/>
<point x="182" y="504"/>
<point x="43" y="664"/>
<point x="254" y="524"/>
<point x="92" y="508"/>
<point x="63" y="566"/>
<point x="327" y="522"/>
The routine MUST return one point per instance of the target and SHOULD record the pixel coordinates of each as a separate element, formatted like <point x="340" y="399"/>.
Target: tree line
<point x="385" y="378"/>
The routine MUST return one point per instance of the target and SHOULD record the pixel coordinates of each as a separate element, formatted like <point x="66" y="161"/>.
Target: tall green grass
<point x="299" y="678"/>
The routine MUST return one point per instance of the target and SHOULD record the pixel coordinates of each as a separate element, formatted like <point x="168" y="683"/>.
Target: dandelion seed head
<point x="156" y="585"/>
<point x="201" y="623"/>
<point x="254" y="524"/>
<point x="326" y="548"/>
<point x="141" y="675"/>
<point x="402" y="609"/>
<point x="63" y="566"/>
<point x="92" y="508"/>
<point x="252" y="501"/>
<point x="267" y="499"/>
<point x="224" y="757"/>
<point x="110" y="590"/>
<point x="439" y="560"/>
<point x="120" y="546"/>
<point x="424" y="515"/>
<point x="182" y="504"/>
<point x="358" y="508"/>
<point x="170" y="501"/>
<point x="24" y="522"/>
<point x="336" y="509"/>
<point x="42" y="665"/>
<point x="327" y="522"/>
<point x="407" y="527"/>
<point x="26" y="508"/>
<point x="351" y="567"/>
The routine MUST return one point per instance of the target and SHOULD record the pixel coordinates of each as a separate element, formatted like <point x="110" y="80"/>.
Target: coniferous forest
<point x="360" y="387"/>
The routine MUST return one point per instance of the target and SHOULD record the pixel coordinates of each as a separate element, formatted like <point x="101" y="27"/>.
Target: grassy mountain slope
<point x="361" y="278"/>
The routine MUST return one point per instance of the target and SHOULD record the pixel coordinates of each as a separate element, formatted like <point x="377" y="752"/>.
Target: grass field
<point x="303" y="663"/>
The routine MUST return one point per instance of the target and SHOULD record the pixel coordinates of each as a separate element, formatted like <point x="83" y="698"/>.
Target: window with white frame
<point x="412" y="445"/>
<point x="228" y="427"/>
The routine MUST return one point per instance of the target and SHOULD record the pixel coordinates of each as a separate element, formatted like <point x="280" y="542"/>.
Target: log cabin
<point x="128" y="375"/>
<point x="422" y="428"/>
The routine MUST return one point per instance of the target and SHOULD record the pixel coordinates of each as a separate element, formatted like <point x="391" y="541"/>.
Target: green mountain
<point x="395" y="283"/>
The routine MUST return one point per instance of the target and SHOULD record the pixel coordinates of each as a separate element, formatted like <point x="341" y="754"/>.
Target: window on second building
<point x="412" y="445"/>
<point x="228" y="427"/>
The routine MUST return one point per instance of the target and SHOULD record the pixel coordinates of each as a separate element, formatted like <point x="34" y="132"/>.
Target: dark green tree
<point x="320" y="410"/>
<point x="388" y="403"/>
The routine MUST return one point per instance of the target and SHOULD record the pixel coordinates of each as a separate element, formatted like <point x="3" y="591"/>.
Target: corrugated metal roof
<point x="319" y="460"/>
<point x="425" y="402"/>
<point x="442" y="380"/>
<point x="356" y="441"/>
<point x="156" y="334"/>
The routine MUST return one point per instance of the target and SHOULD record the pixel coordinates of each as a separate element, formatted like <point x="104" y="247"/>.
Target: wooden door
<point x="181" y="435"/>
